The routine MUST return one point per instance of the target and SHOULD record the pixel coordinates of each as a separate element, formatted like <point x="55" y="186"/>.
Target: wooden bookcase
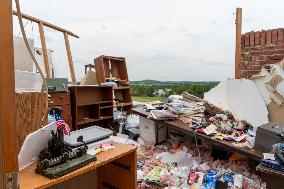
<point x="115" y="67"/>
<point x="91" y="105"/>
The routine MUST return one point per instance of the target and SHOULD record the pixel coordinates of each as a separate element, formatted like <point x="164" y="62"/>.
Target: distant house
<point x="168" y="90"/>
<point x="160" y="92"/>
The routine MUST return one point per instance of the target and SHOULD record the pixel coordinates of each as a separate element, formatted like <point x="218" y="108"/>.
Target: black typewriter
<point x="57" y="160"/>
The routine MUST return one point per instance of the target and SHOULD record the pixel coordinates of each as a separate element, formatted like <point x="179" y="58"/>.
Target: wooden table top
<point x="29" y="179"/>
<point x="141" y="111"/>
<point x="252" y="153"/>
<point x="270" y="171"/>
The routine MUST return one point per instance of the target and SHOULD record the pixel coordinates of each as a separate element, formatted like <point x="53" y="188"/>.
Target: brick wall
<point x="260" y="49"/>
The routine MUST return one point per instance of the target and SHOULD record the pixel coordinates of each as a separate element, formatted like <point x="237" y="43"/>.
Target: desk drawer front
<point x="60" y="99"/>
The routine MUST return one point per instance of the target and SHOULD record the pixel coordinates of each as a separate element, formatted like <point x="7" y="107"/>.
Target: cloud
<point x="104" y="27"/>
<point x="161" y="39"/>
<point x="160" y="28"/>
<point x="212" y="63"/>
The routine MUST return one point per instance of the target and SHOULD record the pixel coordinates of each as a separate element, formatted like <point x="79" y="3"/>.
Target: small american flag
<point x="61" y="123"/>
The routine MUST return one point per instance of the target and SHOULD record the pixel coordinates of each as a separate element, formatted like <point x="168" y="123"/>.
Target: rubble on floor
<point x="186" y="165"/>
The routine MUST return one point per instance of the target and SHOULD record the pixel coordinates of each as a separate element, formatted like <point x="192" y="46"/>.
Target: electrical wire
<point x="24" y="27"/>
<point x="44" y="85"/>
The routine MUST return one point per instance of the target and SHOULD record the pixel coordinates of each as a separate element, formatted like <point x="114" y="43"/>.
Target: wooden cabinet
<point x="62" y="100"/>
<point x="91" y="105"/>
<point x="108" y="67"/>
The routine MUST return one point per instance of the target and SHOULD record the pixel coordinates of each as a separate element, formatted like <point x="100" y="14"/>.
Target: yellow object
<point x="210" y="129"/>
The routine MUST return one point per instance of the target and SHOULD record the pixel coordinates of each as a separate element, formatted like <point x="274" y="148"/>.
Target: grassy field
<point x="148" y="98"/>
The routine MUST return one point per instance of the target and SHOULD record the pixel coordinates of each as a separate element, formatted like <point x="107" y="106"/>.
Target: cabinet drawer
<point x="60" y="99"/>
<point x="65" y="110"/>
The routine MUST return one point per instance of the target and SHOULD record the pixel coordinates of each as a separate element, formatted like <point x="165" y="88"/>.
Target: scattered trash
<point x="173" y="165"/>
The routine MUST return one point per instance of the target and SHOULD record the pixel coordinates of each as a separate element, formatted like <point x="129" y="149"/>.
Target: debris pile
<point x="186" y="165"/>
<point x="206" y="119"/>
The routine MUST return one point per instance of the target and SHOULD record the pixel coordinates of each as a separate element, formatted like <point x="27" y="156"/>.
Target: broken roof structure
<point x="257" y="100"/>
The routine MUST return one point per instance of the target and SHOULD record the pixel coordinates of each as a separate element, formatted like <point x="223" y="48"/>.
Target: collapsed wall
<point x="261" y="49"/>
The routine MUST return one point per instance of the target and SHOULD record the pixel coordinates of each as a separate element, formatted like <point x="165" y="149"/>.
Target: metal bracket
<point x="11" y="180"/>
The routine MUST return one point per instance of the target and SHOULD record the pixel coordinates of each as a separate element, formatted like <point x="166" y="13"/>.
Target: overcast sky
<point x="161" y="39"/>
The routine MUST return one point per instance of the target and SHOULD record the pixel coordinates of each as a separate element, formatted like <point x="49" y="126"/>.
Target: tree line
<point x="194" y="88"/>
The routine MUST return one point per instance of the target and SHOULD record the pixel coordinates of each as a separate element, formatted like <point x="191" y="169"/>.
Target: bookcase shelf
<point x="91" y="105"/>
<point x="115" y="68"/>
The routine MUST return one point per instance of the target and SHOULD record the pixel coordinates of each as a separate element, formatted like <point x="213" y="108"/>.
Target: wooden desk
<point x="106" y="172"/>
<point x="273" y="178"/>
<point x="141" y="111"/>
<point x="178" y="125"/>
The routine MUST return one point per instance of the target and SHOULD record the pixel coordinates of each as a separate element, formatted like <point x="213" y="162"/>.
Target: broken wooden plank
<point x="44" y="49"/>
<point x="69" y="56"/>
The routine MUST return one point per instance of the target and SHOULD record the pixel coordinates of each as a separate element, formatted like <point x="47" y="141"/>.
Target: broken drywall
<point x="218" y="96"/>
<point x="260" y="80"/>
<point x="257" y="100"/>
<point x="242" y="98"/>
<point x="246" y="102"/>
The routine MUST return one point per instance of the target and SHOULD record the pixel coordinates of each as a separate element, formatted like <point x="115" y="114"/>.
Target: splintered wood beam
<point x="238" y="43"/>
<point x="8" y="131"/>
<point x="44" y="49"/>
<point x="69" y="56"/>
<point x="33" y="19"/>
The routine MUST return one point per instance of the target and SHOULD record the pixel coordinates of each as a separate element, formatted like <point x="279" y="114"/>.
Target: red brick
<point x="268" y="37"/>
<point x="258" y="52"/>
<point x="256" y="67"/>
<point x="246" y="39"/>
<point x="251" y="39"/>
<point x="262" y="37"/>
<point x="260" y="58"/>
<point x="280" y="38"/>
<point x="273" y="61"/>
<point x="277" y="57"/>
<point x="243" y="41"/>
<point x="257" y="38"/>
<point x="274" y="36"/>
<point x="261" y="63"/>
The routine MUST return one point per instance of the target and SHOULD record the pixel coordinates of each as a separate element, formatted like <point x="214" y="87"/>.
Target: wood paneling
<point x="30" y="109"/>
